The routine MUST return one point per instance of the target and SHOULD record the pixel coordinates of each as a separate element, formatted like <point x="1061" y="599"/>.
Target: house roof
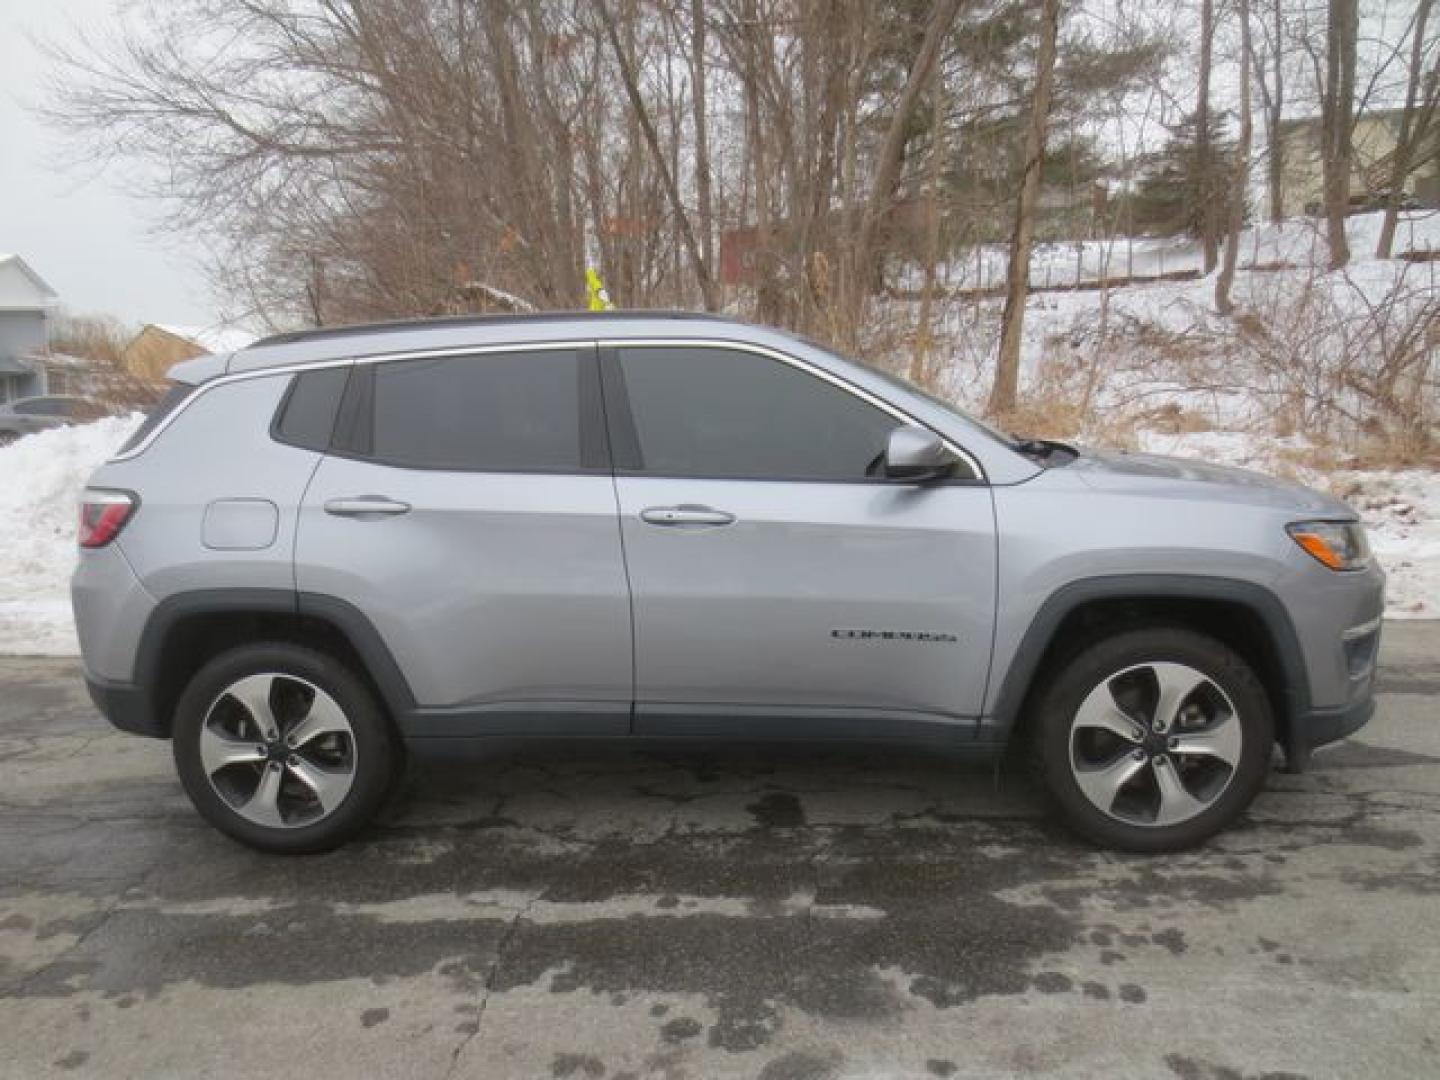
<point x="213" y="339"/>
<point x="13" y="365"/>
<point x="21" y="288"/>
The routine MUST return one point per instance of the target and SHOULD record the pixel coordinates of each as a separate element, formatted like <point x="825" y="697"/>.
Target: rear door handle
<point x="686" y="514"/>
<point x="363" y="506"/>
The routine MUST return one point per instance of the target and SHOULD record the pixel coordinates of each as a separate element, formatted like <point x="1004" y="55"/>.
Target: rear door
<point x="780" y="584"/>
<point x="468" y="510"/>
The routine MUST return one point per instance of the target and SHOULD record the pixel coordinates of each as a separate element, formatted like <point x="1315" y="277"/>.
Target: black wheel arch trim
<point x="344" y="617"/>
<point x="1040" y="635"/>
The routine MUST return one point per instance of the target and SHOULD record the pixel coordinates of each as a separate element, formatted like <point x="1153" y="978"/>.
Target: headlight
<point x="1340" y="545"/>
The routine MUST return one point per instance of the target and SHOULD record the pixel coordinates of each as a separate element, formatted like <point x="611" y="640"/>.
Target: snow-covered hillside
<point x="1153" y="367"/>
<point x="1296" y="242"/>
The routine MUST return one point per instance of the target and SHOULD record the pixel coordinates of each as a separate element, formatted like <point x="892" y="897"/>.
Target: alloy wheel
<point x="278" y="750"/>
<point x="1155" y="744"/>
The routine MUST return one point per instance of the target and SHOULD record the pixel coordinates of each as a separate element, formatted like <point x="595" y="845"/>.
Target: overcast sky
<point x="82" y="234"/>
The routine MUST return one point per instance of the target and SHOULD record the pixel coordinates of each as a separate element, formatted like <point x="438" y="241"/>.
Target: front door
<point x="467" y="508"/>
<point x="780" y="584"/>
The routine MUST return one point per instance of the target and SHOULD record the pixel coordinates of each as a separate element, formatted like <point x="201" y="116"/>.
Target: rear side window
<point x="307" y="415"/>
<point x="523" y="411"/>
<point x="173" y="399"/>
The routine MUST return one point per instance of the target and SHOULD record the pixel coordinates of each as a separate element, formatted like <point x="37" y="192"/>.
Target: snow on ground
<point x="41" y="477"/>
<point x="1298" y="241"/>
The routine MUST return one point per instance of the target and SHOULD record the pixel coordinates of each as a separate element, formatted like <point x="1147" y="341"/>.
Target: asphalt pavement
<point x="787" y="913"/>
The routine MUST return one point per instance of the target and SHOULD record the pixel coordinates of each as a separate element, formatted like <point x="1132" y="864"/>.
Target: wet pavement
<point x="601" y="911"/>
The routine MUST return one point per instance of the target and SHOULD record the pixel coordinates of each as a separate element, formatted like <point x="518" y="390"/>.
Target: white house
<point x="26" y="304"/>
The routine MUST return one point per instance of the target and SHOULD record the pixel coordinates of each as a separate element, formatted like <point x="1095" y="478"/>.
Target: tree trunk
<point x="1337" y="110"/>
<point x="1240" y="181"/>
<point x="1209" y="239"/>
<point x="1017" y="279"/>
<point x="705" y="209"/>
<point x="1273" y="101"/>
<point x="887" y="166"/>
<point x="642" y="115"/>
<point x="920" y="365"/>
<point x="1413" y="130"/>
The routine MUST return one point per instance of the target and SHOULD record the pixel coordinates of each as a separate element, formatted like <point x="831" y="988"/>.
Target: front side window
<point x="730" y="413"/>
<point x="488" y="412"/>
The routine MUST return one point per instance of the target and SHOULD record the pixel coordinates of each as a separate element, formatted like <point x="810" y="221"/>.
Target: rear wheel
<point x="1154" y="740"/>
<point x="283" y="748"/>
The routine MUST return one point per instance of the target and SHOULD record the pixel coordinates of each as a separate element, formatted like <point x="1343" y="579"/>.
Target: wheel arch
<point x="1244" y="615"/>
<point x="187" y="629"/>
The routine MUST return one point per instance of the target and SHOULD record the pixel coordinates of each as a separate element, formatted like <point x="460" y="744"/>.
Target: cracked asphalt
<point x="613" y="912"/>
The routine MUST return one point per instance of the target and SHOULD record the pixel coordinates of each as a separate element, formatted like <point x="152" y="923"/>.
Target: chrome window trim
<point x="211" y="384"/>
<point x="563" y="343"/>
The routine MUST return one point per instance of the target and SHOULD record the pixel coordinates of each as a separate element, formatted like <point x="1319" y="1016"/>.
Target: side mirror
<point x="917" y="455"/>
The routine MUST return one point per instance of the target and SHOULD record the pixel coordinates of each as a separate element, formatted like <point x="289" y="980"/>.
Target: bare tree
<point x="698" y="263"/>
<point x="1239" y="182"/>
<point x="1417" y="124"/>
<point x="920" y="366"/>
<point x="351" y="160"/>
<point x="1209" y="238"/>
<point x="1007" y="370"/>
<point x="705" y="211"/>
<point x="891" y="156"/>
<point x="1337" y="121"/>
<point x="1269" y="68"/>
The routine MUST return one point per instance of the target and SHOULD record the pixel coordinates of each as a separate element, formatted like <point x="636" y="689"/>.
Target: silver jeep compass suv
<point x="336" y="546"/>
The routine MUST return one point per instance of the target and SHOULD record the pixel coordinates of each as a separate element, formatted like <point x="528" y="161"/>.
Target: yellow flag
<point x="599" y="298"/>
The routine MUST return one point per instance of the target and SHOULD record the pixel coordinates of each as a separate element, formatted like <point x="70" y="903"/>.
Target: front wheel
<point x="283" y="748"/>
<point x="1154" y="740"/>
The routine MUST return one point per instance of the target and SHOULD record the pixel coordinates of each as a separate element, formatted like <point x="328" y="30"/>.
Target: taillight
<point x="103" y="514"/>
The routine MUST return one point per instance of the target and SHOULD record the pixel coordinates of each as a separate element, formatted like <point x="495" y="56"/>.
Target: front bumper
<point x="1317" y="727"/>
<point x="1320" y="727"/>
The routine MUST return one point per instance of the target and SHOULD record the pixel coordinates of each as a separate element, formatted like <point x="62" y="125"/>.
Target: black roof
<point x="461" y="321"/>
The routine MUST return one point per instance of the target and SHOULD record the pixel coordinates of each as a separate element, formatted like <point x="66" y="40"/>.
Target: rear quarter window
<point x="173" y="399"/>
<point x="306" y="417"/>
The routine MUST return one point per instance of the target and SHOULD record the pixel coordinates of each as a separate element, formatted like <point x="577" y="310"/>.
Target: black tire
<point x="1068" y="688"/>
<point x="376" y="757"/>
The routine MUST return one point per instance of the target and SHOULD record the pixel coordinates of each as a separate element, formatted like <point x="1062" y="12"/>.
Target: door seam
<point x="619" y="529"/>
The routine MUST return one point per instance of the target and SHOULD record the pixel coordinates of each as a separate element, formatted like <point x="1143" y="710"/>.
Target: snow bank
<point x="41" y="477"/>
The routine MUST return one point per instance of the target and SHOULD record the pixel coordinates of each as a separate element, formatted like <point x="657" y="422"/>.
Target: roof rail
<point x="461" y="321"/>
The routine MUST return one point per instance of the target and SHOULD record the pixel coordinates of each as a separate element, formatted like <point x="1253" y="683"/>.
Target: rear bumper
<point x="126" y="706"/>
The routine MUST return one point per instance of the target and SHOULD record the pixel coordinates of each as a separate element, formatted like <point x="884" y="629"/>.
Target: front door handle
<point x="686" y="514"/>
<point x="364" y="506"/>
